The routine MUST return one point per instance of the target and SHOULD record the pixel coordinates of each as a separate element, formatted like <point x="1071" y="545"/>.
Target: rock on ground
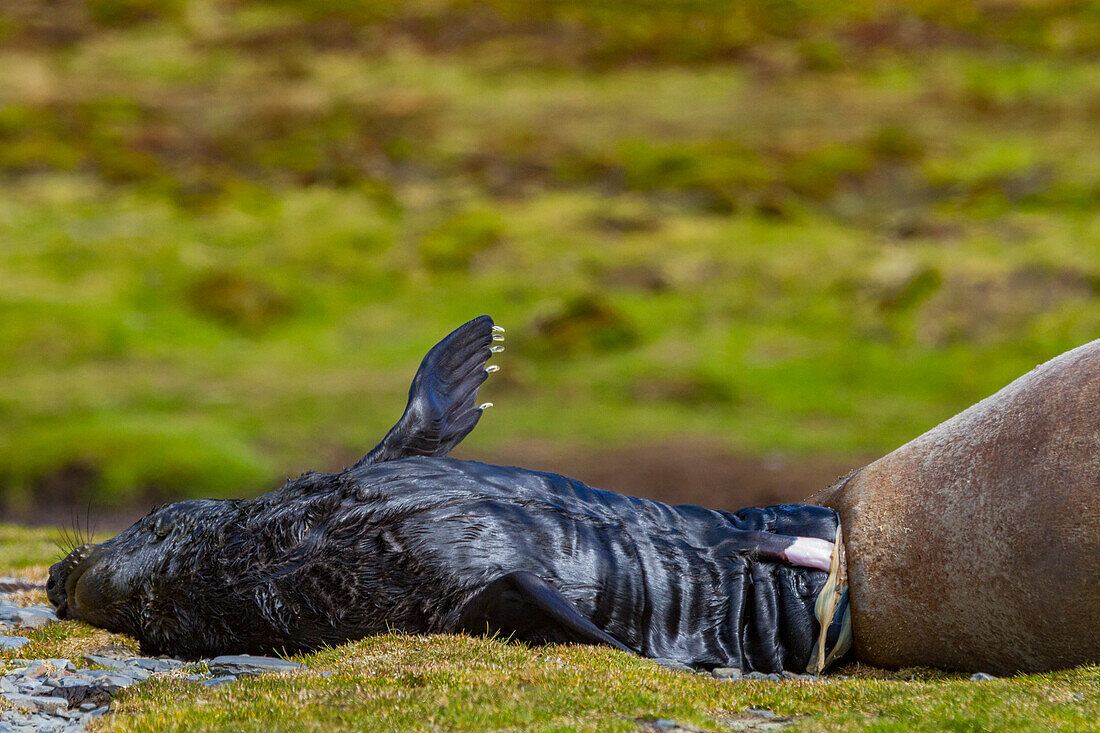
<point x="246" y="664"/>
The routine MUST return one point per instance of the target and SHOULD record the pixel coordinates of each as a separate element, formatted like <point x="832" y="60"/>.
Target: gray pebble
<point x="34" y="620"/>
<point x="77" y="681"/>
<point x="44" y="609"/>
<point x="86" y="706"/>
<point x="672" y="664"/>
<point x="106" y="662"/>
<point x="727" y="673"/>
<point x="62" y="663"/>
<point x="157" y="665"/>
<point x="36" y="702"/>
<point x="760" y="712"/>
<point x="37" y="668"/>
<point x="6" y="685"/>
<point x="13" y="642"/>
<point x="216" y="681"/>
<point x="982" y="677"/>
<point x="26" y="616"/>
<point x="138" y="673"/>
<point x="772" y="676"/>
<point x="118" y="680"/>
<point x="246" y="664"/>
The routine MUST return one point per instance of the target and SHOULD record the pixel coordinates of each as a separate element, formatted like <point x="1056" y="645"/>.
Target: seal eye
<point x="160" y="529"/>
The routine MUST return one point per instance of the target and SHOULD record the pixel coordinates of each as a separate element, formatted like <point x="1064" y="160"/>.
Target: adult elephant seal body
<point x="977" y="545"/>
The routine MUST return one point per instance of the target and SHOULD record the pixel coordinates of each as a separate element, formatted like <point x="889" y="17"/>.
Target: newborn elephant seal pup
<point x="411" y="540"/>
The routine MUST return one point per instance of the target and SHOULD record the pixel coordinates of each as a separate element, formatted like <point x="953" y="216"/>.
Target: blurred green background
<point x="728" y="238"/>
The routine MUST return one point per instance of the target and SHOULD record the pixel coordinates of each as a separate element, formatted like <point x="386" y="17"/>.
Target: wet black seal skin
<point x="408" y="539"/>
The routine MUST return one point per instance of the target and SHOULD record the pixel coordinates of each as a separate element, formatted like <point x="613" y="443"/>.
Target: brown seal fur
<point x="977" y="545"/>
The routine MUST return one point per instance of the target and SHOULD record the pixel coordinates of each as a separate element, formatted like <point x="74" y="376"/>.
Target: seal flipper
<point x="810" y="552"/>
<point x="441" y="410"/>
<point x="523" y="606"/>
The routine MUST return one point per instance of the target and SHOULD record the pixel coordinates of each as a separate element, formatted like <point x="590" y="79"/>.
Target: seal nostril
<point x="51" y="583"/>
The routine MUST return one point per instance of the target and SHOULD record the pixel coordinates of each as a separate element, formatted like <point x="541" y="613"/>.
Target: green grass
<point x="458" y="683"/>
<point x="22" y="550"/>
<point x="229" y="231"/>
<point x="29" y="551"/>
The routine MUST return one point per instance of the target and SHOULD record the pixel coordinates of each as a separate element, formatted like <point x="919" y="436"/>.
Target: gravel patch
<point x="62" y="695"/>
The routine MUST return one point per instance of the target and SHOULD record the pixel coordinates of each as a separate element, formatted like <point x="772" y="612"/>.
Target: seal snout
<point x="55" y="588"/>
<point x="63" y="574"/>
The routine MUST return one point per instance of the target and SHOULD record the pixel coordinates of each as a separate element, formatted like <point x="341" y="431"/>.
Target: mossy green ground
<point x="228" y="231"/>
<point x="457" y="683"/>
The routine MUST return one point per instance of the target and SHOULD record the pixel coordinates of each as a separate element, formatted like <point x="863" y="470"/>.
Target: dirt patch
<point x="685" y="473"/>
<point x="674" y="472"/>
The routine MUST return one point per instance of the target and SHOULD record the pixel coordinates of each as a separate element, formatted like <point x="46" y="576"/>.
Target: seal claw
<point x="498" y="329"/>
<point x="496" y="349"/>
<point x="492" y="368"/>
<point x="485" y="405"/>
<point x="497" y="337"/>
<point x="441" y="410"/>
